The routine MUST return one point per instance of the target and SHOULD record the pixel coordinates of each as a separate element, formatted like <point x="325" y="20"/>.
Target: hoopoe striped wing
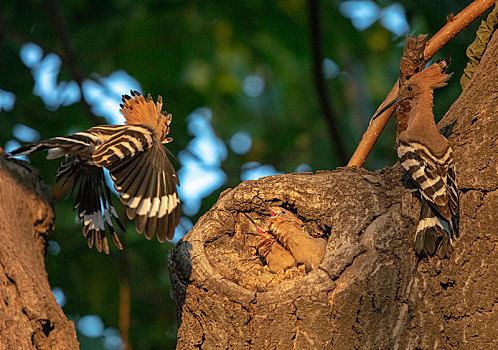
<point x="60" y="146"/>
<point x="429" y="173"/>
<point x="147" y="186"/>
<point x="434" y="177"/>
<point x="93" y="202"/>
<point x="144" y="178"/>
<point x="93" y="197"/>
<point x="120" y="142"/>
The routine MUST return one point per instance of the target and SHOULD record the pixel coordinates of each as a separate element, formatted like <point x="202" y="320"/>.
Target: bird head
<point x="427" y="80"/>
<point x="281" y="217"/>
<point x="275" y="211"/>
<point x="422" y="82"/>
<point x="262" y="230"/>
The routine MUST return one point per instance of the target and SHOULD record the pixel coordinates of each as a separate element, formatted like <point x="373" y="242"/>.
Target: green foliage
<point x="195" y="55"/>
<point x="478" y="46"/>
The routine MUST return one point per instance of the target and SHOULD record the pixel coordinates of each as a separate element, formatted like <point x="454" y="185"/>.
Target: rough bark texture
<point x="370" y="292"/>
<point x="30" y="318"/>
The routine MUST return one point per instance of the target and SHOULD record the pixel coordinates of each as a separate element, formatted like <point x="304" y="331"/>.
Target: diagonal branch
<point x="320" y="84"/>
<point x="445" y="34"/>
<point x="75" y="70"/>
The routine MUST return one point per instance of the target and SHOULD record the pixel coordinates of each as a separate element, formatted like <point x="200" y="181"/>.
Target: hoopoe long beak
<point x="389" y="105"/>
<point x="253" y="234"/>
<point x="261" y="230"/>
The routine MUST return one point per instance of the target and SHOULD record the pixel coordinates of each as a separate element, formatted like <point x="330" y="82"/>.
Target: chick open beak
<point x="273" y="213"/>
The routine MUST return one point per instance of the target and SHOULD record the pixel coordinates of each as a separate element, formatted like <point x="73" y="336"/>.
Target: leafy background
<point x="237" y="77"/>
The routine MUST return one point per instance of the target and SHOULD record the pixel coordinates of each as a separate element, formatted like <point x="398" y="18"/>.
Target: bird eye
<point x="283" y="211"/>
<point x="409" y="88"/>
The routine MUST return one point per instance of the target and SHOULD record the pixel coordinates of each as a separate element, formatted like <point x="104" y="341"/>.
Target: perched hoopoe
<point x="427" y="156"/>
<point x="289" y="231"/>
<point x="278" y="259"/>
<point x="138" y="165"/>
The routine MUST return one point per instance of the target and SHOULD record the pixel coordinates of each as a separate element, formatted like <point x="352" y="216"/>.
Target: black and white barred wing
<point x="119" y="142"/>
<point x="145" y="180"/>
<point x="147" y="187"/>
<point x="435" y="178"/>
<point x="92" y="201"/>
<point x="79" y="143"/>
<point x="93" y="197"/>
<point x="424" y="172"/>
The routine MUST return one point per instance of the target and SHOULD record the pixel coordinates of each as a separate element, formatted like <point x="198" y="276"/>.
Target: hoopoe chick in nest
<point x="427" y="156"/>
<point x="289" y="231"/>
<point x="278" y="259"/>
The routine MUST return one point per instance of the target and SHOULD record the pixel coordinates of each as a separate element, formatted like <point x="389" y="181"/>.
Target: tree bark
<point x="30" y="317"/>
<point x="370" y="291"/>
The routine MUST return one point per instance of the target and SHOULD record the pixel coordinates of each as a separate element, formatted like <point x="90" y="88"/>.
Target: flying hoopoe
<point x="427" y="156"/>
<point x="138" y="165"/>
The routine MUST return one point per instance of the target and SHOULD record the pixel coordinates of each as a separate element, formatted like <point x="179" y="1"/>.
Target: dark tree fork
<point x="138" y="165"/>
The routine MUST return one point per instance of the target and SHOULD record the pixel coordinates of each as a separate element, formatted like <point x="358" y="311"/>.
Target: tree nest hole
<point x="239" y="255"/>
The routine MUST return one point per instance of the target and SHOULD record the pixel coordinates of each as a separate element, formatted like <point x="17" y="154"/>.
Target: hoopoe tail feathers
<point x="431" y="236"/>
<point x="454" y="200"/>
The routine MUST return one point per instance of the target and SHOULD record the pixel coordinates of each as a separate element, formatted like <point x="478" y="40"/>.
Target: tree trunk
<point x="370" y="291"/>
<point x="30" y="317"/>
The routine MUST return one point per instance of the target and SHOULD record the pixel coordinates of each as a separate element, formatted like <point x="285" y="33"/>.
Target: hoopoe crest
<point x="139" y="111"/>
<point x="138" y="165"/>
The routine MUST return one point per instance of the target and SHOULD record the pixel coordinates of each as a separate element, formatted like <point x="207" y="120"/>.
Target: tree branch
<point x="321" y="88"/>
<point x="75" y="70"/>
<point x="455" y="26"/>
<point x="444" y="35"/>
